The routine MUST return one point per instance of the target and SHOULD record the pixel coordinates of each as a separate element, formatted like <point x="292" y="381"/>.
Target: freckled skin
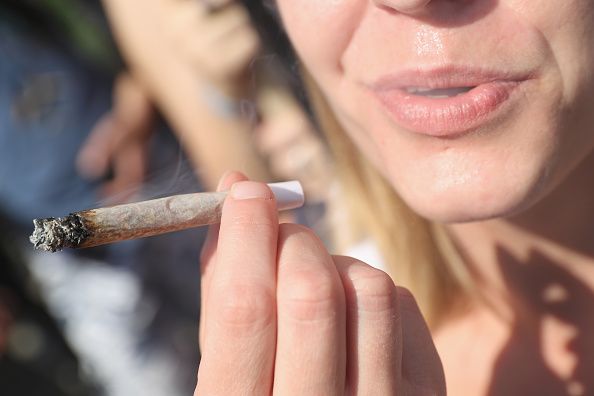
<point x="504" y="166"/>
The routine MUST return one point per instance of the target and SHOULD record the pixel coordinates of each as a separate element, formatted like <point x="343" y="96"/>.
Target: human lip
<point x="446" y="101"/>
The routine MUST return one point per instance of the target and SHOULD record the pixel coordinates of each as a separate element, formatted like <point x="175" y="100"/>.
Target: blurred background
<point x="106" y="102"/>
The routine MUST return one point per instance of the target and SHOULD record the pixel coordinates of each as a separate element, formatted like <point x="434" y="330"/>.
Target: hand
<point x="119" y="141"/>
<point x="281" y="316"/>
<point x="220" y="44"/>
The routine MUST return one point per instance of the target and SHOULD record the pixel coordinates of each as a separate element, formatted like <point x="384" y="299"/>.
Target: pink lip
<point x="445" y="117"/>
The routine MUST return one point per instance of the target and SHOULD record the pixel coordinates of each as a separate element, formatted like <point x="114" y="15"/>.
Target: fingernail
<point x="250" y="190"/>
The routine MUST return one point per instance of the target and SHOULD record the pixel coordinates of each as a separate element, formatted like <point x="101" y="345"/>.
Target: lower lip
<point x="447" y="117"/>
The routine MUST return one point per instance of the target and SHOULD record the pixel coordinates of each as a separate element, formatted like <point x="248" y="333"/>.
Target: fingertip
<point x="229" y="178"/>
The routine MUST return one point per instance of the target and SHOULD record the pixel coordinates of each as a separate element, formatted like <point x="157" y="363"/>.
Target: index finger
<point x="207" y="254"/>
<point x="240" y="329"/>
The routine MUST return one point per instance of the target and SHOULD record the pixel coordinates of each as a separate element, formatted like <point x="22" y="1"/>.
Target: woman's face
<point x="471" y="108"/>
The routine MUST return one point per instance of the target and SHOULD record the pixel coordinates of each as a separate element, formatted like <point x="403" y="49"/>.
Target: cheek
<point x="321" y="48"/>
<point x="568" y="29"/>
<point x="322" y="51"/>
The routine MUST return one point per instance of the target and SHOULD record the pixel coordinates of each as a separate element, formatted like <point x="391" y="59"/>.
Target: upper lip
<point x="443" y="77"/>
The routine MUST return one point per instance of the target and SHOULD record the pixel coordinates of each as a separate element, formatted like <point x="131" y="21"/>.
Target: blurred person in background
<point x="56" y="104"/>
<point x="462" y="132"/>
<point x="35" y="357"/>
<point x="204" y="65"/>
<point x="76" y="132"/>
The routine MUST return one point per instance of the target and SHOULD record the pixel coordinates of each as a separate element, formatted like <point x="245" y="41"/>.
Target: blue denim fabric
<point x="48" y="105"/>
<point x="49" y="102"/>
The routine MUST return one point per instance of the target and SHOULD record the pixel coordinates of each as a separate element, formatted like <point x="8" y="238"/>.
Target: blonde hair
<point x="419" y="254"/>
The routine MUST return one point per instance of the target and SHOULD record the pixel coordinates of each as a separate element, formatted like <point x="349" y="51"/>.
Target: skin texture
<point x="120" y="141"/>
<point x="297" y="321"/>
<point x="523" y="178"/>
<point x="501" y="167"/>
<point x="145" y="33"/>
<point x="208" y="60"/>
<point x="218" y="45"/>
<point x="515" y="190"/>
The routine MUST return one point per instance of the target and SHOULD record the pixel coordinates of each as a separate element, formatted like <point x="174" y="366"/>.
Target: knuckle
<point x="374" y="290"/>
<point x="309" y="292"/>
<point x="310" y="297"/>
<point x="292" y="236"/>
<point x="251" y="222"/>
<point x="247" y="307"/>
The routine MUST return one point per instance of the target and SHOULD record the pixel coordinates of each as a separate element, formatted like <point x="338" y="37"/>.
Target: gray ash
<point x="54" y="234"/>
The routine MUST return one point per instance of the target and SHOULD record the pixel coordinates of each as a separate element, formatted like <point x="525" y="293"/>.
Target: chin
<point x="465" y="209"/>
<point x="472" y="179"/>
<point x="470" y="202"/>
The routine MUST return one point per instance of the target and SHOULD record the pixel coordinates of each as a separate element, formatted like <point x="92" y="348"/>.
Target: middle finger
<point x="311" y="346"/>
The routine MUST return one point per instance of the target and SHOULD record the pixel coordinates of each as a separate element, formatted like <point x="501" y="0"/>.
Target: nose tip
<point x="404" y="6"/>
